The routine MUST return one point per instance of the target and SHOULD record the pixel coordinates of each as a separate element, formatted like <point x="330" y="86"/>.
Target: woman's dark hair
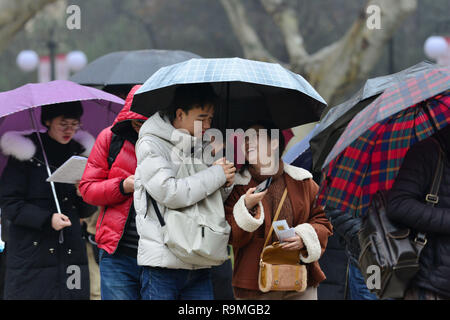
<point x="188" y="96"/>
<point x="69" y="110"/>
<point x="269" y="126"/>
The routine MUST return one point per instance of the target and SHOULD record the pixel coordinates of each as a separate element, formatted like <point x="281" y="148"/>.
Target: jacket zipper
<point x="103" y="216"/>
<point x="123" y="231"/>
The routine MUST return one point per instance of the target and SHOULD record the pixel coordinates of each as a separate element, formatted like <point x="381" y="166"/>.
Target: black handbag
<point x="389" y="248"/>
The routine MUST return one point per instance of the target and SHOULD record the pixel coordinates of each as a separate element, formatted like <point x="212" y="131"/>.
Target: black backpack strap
<point x="114" y="148"/>
<point x="432" y="197"/>
<point x="158" y="213"/>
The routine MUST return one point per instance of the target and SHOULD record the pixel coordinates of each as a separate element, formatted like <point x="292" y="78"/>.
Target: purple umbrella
<point x="19" y="109"/>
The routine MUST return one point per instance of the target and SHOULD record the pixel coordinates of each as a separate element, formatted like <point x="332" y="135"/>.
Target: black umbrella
<point x="335" y="119"/>
<point x="249" y="90"/>
<point x="128" y="67"/>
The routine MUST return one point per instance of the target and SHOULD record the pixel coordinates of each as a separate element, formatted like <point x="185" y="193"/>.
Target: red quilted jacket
<point x="100" y="184"/>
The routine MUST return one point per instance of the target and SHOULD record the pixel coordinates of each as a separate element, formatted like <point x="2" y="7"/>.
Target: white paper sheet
<point x="282" y="230"/>
<point x="70" y="171"/>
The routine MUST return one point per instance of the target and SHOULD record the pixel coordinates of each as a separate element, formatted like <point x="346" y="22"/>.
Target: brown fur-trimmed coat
<point x="249" y="232"/>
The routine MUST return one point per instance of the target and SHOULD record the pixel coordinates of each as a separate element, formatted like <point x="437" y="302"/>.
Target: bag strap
<point x="115" y="146"/>
<point x="280" y="205"/>
<point x="158" y="213"/>
<point x="432" y="198"/>
<point x="154" y="203"/>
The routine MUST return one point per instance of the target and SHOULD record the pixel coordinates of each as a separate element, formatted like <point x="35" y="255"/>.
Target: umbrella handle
<point x="55" y="197"/>
<point x="58" y="208"/>
<point x="61" y="236"/>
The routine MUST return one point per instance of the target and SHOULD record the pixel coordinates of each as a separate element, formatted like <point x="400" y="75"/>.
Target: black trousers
<point x="2" y="272"/>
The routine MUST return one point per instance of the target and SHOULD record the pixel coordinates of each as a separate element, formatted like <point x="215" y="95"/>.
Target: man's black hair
<point x="189" y="96"/>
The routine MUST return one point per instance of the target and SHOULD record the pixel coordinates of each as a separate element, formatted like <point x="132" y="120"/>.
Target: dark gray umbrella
<point x="336" y="119"/>
<point x="128" y="67"/>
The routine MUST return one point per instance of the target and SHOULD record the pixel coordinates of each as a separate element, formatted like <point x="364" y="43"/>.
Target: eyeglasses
<point x="63" y="126"/>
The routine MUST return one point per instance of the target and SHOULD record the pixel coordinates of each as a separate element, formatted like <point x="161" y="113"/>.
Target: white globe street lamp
<point x="436" y="47"/>
<point x="58" y="66"/>
<point x="27" y="60"/>
<point x="76" y="60"/>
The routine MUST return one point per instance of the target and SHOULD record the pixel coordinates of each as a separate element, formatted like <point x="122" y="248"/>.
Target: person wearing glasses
<point x="39" y="266"/>
<point x="108" y="181"/>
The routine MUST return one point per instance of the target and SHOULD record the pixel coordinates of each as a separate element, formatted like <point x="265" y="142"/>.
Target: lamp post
<point x="52" y="53"/>
<point x="28" y="60"/>
<point x="391" y="55"/>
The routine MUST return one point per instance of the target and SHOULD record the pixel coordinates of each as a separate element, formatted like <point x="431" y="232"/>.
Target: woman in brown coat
<point x="250" y="216"/>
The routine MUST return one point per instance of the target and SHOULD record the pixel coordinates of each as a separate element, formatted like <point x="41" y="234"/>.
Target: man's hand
<point x="128" y="184"/>
<point x="216" y="146"/>
<point x="60" y="221"/>
<point x="251" y="199"/>
<point x="228" y="168"/>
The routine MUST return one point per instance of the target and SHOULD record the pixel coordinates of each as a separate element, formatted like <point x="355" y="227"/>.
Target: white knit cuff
<point x="244" y="219"/>
<point x="311" y="241"/>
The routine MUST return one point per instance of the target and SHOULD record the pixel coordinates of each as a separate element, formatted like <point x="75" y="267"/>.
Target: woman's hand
<point x="294" y="243"/>
<point x="251" y="199"/>
<point x="60" y="221"/>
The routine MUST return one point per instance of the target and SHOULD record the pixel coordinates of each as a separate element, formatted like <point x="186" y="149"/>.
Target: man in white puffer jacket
<point x="165" y="276"/>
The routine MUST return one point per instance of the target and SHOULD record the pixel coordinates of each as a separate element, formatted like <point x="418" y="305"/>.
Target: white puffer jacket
<point x="156" y="174"/>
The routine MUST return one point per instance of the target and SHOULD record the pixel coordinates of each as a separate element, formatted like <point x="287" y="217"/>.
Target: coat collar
<point x="295" y="173"/>
<point x="21" y="147"/>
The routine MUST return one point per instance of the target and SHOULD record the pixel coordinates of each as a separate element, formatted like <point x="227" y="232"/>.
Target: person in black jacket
<point x="38" y="266"/>
<point x="406" y="205"/>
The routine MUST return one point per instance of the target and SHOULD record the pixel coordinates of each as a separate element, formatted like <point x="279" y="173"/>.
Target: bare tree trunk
<point x="335" y="67"/>
<point x="286" y="19"/>
<point x="15" y="14"/>
<point x="338" y="66"/>
<point x="247" y="36"/>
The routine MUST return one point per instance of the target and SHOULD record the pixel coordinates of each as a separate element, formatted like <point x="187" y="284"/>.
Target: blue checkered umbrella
<point x="249" y="90"/>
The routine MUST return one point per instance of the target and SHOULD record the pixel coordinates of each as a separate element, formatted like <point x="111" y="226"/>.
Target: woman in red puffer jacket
<point x="111" y="186"/>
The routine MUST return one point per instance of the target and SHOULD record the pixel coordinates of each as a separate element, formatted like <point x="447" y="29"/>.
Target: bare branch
<point x="247" y="37"/>
<point x="335" y="67"/>
<point x="15" y="14"/>
<point x="140" y="15"/>
<point x="352" y="57"/>
<point x="286" y="19"/>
